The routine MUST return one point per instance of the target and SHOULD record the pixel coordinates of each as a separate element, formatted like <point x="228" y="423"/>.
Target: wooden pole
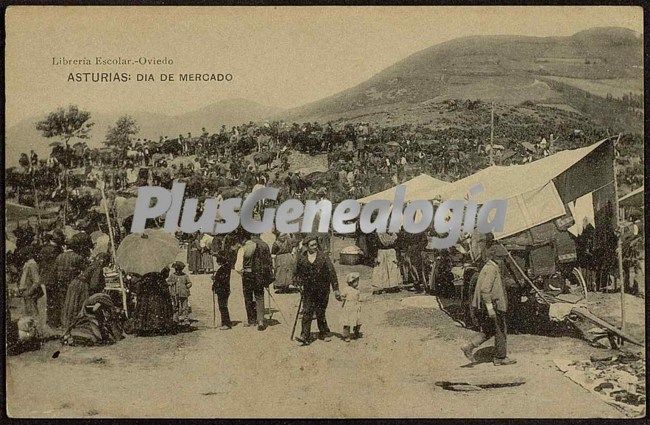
<point x="492" y="135"/>
<point x="110" y="235"/>
<point x="619" y="245"/>
<point x="65" y="188"/>
<point x="38" y="209"/>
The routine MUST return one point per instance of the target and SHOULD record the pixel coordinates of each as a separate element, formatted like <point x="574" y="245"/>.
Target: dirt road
<point x="243" y="372"/>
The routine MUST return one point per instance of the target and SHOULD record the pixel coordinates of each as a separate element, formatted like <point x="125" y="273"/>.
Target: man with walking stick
<point x="489" y="307"/>
<point x="315" y="274"/>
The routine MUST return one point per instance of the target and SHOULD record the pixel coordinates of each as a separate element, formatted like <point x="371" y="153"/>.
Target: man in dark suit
<point x="49" y="252"/>
<point x="315" y="274"/>
<point x="225" y="251"/>
<point x="257" y="274"/>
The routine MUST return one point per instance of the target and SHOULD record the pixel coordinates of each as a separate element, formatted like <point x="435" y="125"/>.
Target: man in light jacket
<point x="490" y="304"/>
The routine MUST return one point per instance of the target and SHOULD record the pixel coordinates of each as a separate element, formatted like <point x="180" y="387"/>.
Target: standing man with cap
<point x="315" y="274"/>
<point x="490" y="305"/>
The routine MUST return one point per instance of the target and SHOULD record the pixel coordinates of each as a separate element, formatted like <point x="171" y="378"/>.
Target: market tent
<point x="14" y="211"/>
<point x="416" y="188"/>
<point x="632" y="199"/>
<point x="538" y="191"/>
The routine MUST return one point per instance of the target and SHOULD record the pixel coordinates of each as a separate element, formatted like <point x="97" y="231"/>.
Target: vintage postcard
<point x="324" y="212"/>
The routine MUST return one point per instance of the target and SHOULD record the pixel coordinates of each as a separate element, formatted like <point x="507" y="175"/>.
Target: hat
<point x="496" y="251"/>
<point x="58" y="236"/>
<point x="80" y="240"/>
<point x="178" y="265"/>
<point x="351" y="277"/>
<point x="309" y="238"/>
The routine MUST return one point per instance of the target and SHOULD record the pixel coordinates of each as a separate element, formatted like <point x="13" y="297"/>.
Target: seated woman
<point x="153" y="314"/>
<point x="89" y="282"/>
<point x="98" y="323"/>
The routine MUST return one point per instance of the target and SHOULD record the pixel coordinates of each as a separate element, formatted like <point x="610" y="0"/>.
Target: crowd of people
<point x="85" y="185"/>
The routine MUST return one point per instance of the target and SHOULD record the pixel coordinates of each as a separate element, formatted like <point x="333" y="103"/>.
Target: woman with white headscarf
<point x="386" y="275"/>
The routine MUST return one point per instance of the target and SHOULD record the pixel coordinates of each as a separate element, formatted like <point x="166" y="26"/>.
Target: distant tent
<point x="537" y="192"/>
<point x="15" y="211"/>
<point x="529" y="146"/>
<point x="632" y="199"/>
<point x="507" y="154"/>
<point x="416" y="188"/>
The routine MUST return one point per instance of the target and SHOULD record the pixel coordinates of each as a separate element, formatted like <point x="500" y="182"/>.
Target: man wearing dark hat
<point x="490" y="305"/>
<point x="315" y="274"/>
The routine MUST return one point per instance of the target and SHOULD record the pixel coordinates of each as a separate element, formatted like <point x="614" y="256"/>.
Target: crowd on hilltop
<point x="362" y="159"/>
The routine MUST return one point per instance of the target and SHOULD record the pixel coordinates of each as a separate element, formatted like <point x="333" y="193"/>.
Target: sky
<point x="278" y="56"/>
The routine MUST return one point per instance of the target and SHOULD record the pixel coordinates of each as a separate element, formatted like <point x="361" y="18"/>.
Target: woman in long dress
<point x="285" y="262"/>
<point x="89" y="282"/>
<point x="206" y="263"/>
<point x="154" y="314"/>
<point x="194" y="253"/>
<point x="386" y="275"/>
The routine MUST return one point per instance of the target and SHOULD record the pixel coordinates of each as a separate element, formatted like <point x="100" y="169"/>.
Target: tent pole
<point x="110" y="235"/>
<point x="619" y="245"/>
<point x="65" y="187"/>
<point x="38" y="209"/>
<point x="492" y="134"/>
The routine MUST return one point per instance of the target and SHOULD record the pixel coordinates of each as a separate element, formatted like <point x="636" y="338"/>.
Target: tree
<point x="65" y="125"/>
<point x="120" y="134"/>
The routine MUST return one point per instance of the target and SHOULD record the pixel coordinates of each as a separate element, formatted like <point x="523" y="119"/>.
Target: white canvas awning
<point x="529" y="189"/>
<point x="416" y="188"/>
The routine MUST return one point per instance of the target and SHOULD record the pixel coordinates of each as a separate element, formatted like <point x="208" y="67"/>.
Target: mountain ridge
<point x="462" y="67"/>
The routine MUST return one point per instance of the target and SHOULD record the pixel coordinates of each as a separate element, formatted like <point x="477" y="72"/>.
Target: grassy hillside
<point x="504" y="69"/>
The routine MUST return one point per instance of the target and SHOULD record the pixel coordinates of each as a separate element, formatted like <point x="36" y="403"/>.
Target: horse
<point x="264" y="158"/>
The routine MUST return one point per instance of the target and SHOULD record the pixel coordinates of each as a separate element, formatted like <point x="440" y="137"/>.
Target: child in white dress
<point x="351" y="298"/>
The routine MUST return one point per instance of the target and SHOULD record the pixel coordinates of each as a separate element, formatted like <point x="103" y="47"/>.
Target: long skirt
<point x="206" y="262"/>
<point x="74" y="300"/>
<point x="154" y="314"/>
<point x="386" y="274"/>
<point x="285" y="265"/>
<point x="193" y="259"/>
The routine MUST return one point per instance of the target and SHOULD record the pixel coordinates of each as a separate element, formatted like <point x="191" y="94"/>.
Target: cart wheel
<point x="430" y="286"/>
<point x="580" y="280"/>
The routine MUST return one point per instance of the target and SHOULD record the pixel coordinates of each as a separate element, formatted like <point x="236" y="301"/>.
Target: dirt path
<point x="243" y="372"/>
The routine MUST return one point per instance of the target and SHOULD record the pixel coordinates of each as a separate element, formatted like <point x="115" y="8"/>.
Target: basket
<point x="349" y="259"/>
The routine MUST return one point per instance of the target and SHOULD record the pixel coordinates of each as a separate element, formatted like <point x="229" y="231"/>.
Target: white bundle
<point x="352" y="249"/>
<point x="206" y="241"/>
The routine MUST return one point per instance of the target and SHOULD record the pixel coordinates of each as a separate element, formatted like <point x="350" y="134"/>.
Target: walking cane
<point x="276" y="304"/>
<point x="214" y="311"/>
<point x="295" y="322"/>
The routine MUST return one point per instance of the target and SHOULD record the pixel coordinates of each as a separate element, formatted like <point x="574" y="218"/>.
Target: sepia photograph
<point x="324" y="212"/>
